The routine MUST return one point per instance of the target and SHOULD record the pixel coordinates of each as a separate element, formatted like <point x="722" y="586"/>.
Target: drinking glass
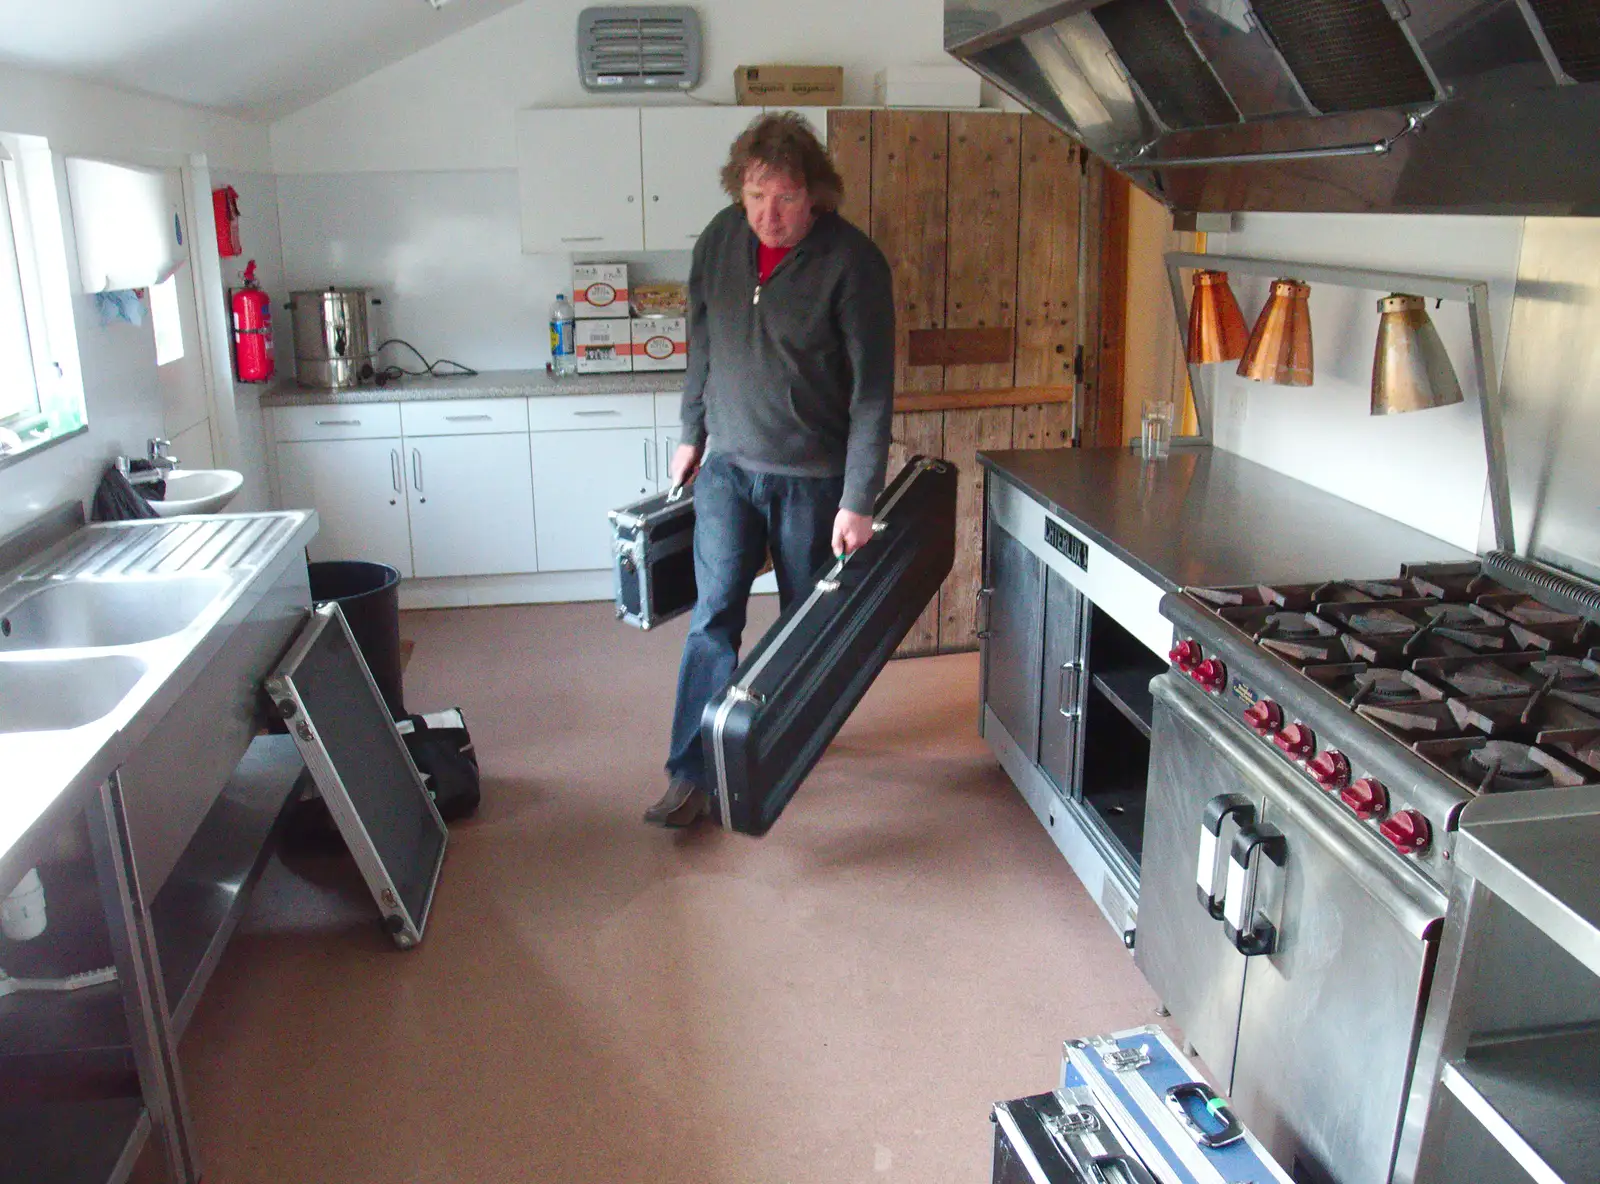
<point x="1155" y="436"/>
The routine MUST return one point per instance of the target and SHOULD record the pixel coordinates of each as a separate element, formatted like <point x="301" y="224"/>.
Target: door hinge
<point x="1077" y="364"/>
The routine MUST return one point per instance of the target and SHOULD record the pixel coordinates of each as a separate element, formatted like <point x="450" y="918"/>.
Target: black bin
<point x="369" y="596"/>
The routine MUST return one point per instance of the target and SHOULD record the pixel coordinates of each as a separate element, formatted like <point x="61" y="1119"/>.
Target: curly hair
<point x="785" y="142"/>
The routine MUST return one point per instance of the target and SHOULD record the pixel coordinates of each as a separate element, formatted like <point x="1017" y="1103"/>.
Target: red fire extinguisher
<point x="252" y="329"/>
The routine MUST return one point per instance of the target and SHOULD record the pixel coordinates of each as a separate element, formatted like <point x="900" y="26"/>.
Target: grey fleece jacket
<point x="794" y="376"/>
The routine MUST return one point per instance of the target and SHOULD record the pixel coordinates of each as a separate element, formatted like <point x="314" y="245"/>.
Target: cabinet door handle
<point x="583" y="238"/>
<point x="980" y="613"/>
<point x="338" y="423"/>
<point x="1071" y="691"/>
<point x="468" y="418"/>
<point x="1216" y="812"/>
<point x="1250" y="935"/>
<point x="394" y="469"/>
<point x="591" y="414"/>
<point x="416" y="469"/>
<point x="649" y="455"/>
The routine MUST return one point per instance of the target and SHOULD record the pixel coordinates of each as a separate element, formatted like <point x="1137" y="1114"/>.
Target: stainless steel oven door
<point x="1304" y="994"/>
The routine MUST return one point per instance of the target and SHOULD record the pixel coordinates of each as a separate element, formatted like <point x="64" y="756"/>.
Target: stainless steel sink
<point x="95" y="613"/>
<point x="54" y="694"/>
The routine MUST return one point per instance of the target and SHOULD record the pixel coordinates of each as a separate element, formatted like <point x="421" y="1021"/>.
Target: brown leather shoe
<point x="678" y="795"/>
<point x="695" y="807"/>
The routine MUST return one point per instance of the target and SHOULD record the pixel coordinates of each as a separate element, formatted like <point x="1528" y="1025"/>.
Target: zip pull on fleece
<point x="756" y="299"/>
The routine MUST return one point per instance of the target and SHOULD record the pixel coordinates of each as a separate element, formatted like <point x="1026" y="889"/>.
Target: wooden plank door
<point x="981" y="285"/>
<point x="909" y="184"/>
<point x="966" y="433"/>
<point x="1048" y="300"/>
<point x="850" y="146"/>
<point x="913" y="434"/>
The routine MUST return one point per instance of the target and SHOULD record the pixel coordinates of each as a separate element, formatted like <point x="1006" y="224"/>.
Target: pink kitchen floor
<point x="601" y="1001"/>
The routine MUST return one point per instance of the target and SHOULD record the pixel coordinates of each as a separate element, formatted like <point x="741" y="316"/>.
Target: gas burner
<point x="1511" y="763"/>
<point x="1451" y="581"/>
<point x="1295" y="637"/>
<point x="1341" y="679"/>
<point x="1382" y="686"/>
<point x="1498" y="766"/>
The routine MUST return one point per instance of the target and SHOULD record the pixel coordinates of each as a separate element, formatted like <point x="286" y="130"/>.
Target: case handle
<point x="1119" y="1169"/>
<point x="1178" y="1098"/>
<point x="1216" y="812"/>
<point x="1250" y="935"/>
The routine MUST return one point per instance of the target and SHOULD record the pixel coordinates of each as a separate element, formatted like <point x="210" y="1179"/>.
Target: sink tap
<point x="160" y="458"/>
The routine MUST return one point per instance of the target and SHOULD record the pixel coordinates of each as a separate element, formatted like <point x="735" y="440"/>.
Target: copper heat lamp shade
<point x="1216" y="326"/>
<point x="1410" y="370"/>
<point x="1280" y="345"/>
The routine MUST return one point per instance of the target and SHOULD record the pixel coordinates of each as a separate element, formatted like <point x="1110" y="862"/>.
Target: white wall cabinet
<point x="637" y="178"/>
<point x="358" y="491"/>
<point x="577" y="477"/>
<point x="682" y="151"/>
<point x="578" y="175"/>
<point x="471" y="503"/>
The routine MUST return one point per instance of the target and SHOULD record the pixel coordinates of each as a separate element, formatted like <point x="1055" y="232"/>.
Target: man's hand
<point x="851" y="531"/>
<point x="685" y="464"/>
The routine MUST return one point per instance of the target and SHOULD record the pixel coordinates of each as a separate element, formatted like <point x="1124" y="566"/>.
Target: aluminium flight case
<point x="652" y="557"/>
<point x="794" y="690"/>
<point x="1066" y="1136"/>
<point x="1175" y="1123"/>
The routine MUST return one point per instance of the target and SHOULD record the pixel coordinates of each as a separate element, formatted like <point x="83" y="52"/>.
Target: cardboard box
<point x="600" y="290"/>
<point x="660" y="343"/>
<point x="950" y="85"/>
<point x="789" y="86"/>
<point x="603" y="347"/>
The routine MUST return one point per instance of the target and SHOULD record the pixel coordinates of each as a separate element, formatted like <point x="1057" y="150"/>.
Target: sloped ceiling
<point x="260" y="59"/>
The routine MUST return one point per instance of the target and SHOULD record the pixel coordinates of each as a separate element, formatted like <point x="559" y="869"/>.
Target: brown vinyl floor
<point x="599" y="1001"/>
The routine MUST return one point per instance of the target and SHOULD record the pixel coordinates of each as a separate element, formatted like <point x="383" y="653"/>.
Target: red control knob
<point x="1330" y="769"/>
<point x="1211" y="674"/>
<point x="1297" y="741"/>
<point x="1263" y="717"/>
<point x="1368" y="798"/>
<point x="1408" y="831"/>
<point x="1185" y="655"/>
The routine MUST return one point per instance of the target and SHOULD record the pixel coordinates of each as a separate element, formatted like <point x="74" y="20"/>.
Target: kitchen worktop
<point x="490" y="384"/>
<point x="1207" y="517"/>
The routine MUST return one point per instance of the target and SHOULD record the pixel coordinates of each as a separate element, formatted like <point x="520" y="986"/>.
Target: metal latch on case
<point x="1125" y="1060"/>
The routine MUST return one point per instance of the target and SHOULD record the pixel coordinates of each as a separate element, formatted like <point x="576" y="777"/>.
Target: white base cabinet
<point x="580" y="475"/>
<point x="471" y="500"/>
<point x="358" y="491"/>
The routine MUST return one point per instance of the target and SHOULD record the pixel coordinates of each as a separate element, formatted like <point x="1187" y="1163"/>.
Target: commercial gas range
<point x="1312" y="748"/>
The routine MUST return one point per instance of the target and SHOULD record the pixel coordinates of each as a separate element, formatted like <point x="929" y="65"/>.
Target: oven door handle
<point x="1216" y="812"/>
<point x="1250" y="935"/>
<point x="1178" y="1098"/>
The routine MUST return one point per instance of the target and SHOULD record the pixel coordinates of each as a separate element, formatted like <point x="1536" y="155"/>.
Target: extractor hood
<point x="1404" y="106"/>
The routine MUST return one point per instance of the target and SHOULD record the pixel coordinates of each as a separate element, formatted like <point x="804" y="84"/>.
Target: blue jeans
<point x="738" y="517"/>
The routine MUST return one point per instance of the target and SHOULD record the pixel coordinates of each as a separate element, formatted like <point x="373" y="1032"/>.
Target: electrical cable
<point x="393" y="373"/>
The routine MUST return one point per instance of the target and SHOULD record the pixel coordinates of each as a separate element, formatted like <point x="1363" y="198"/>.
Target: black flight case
<point x="652" y="557"/>
<point x="794" y="690"/>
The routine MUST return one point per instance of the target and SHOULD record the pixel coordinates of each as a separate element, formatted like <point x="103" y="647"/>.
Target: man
<point x="791" y="373"/>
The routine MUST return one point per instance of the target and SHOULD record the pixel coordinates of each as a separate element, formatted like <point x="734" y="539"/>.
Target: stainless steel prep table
<point x="1079" y="547"/>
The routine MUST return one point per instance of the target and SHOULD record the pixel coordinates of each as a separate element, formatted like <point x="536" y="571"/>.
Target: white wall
<point x="1427" y="468"/>
<point x="450" y="106"/>
<point x="118" y="362"/>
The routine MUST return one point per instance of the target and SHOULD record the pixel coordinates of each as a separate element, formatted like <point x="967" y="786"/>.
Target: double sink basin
<point x="102" y="634"/>
<point x="47" y="680"/>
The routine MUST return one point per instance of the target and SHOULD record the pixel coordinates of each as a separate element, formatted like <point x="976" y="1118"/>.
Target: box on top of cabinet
<point x="599" y="290"/>
<point x="944" y="85"/>
<point x="789" y="86"/>
<point x="660" y="343"/>
<point x="604" y="347"/>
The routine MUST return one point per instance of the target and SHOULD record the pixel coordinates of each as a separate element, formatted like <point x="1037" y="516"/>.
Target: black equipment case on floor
<point x="794" y="690"/>
<point x="652" y="557"/>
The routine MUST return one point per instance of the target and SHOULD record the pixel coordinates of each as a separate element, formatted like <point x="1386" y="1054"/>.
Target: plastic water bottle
<point x="563" y="350"/>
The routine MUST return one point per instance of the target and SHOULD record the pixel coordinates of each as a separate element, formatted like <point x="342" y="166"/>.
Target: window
<point x="41" y="387"/>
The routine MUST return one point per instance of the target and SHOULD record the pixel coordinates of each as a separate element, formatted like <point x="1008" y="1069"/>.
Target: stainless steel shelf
<point x="72" y="1142"/>
<point x="200" y="905"/>
<point x="1539" y="1097"/>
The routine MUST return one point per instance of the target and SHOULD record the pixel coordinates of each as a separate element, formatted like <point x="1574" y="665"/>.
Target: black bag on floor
<point x="442" y="750"/>
<point x="795" y="689"/>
